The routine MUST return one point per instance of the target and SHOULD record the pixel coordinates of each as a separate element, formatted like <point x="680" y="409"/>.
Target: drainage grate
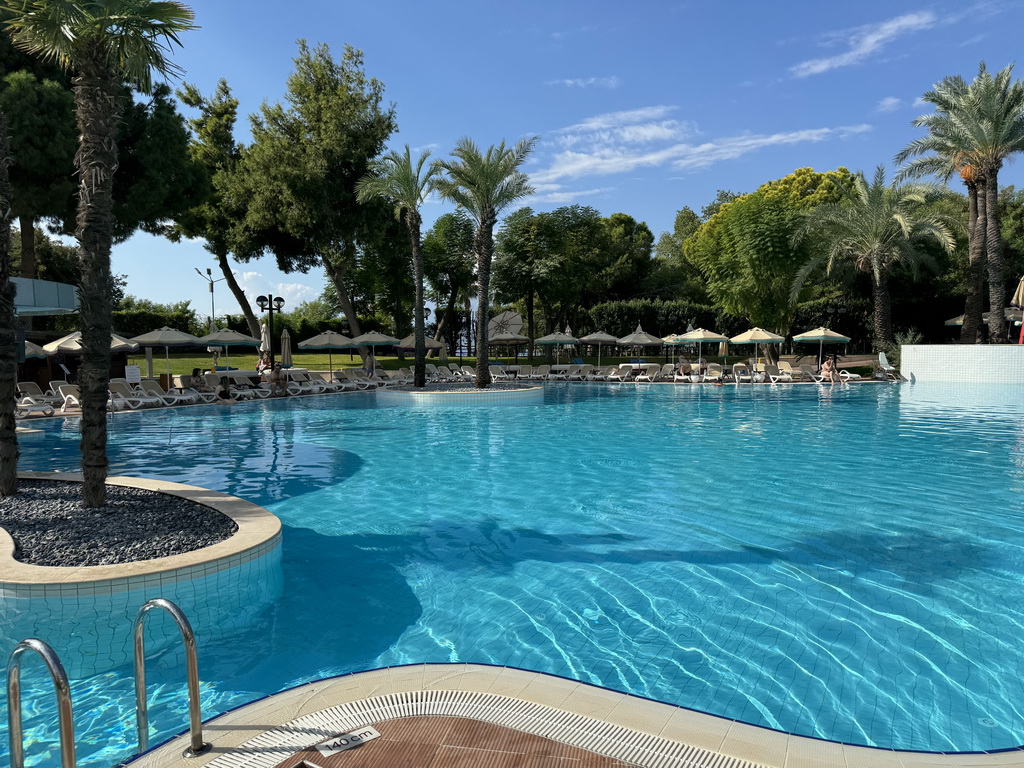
<point x="271" y="747"/>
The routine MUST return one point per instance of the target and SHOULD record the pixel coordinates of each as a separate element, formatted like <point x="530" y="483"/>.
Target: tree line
<point x="100" y="150"/>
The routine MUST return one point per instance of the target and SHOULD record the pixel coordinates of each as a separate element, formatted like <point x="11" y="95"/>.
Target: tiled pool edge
<point x="673" y="736"/>
<point x="469" y="397"/>
<point x="259" y="532"/>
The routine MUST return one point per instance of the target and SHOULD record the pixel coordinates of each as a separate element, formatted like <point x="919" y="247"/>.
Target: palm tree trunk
<point x="98" y="111"/>
<point x="419" y="376"/>
<point x="970" y="332"/>
<point x="529" y="324"/>
<point x="27" y="225"/>
<point x="996" y="264"/>
<point x="8" y="338"/>
<point x="884" y="337"/>
<point x="236" y="291"/>
<point x="448" y="318"/>
<point x="484" y="245"/>
<point x="469" y="327"/>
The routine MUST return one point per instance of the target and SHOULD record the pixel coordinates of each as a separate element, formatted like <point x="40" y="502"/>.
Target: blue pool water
<point x="846" y="563"/>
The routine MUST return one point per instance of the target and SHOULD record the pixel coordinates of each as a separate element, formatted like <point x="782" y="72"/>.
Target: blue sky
<point x="640" y="108"/>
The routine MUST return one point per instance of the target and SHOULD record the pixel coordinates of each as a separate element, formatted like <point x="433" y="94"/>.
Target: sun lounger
<point x="682" y="373"/>
<point x="776" y="375"/>
<point x="125" y="397"/>
<point x="359" y="379"/>
<point x="786" y="367"/>
<point x="540" y="372"/>
<point x="27" y="406"/>
<point x="648" y="372"/>
<point x="887" y="371"/>
<point x="741" y="373"/>
<point x="33" y="390"/>
<point x="847" y="376"/>
<point x="809" y="372"/>
<point x="619" y="374"/>
<point x="581" y="373"/>
<point x="168" y="398"/>
<point x="714" y="373"/>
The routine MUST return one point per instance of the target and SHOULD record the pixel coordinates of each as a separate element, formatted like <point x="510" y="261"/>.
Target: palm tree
<point x="8" y="356"/>
<point x="484" y="185"/>
<point x="395" y="179"/>
<point x="980" y="125"/>
<point x="104" y="43"/>
<point x="875" y="228"/>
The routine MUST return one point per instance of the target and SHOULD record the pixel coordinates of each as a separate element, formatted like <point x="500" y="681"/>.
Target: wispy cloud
<point x="972" y="40"/>
<point x="635" y="126"/>
<point x="568" y="195"/>
<point x="889" y="104"/>
<point x="255" y="283"/>
<point x="864" y="41"/>
<point x="611" y="82"/>
<point x="622" y="142"/>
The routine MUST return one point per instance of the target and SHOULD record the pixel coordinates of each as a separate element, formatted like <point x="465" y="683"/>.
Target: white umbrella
<point x="286" y="349"/>
<point x="700" y="336"/>
<point x="1017" y="302"/>
<point x="505" y="322"/>
<point x="264" y="339"/>
<point x="166" y="337"/>
<point x="757" y="336"/>
<point x="34" y="350"/>
<point x="72" y="344"/>
<point x="822" y="336"/>
<point x="329" y="340"/>
<point x="600" y="338"/>
<point x="228" y="338"/>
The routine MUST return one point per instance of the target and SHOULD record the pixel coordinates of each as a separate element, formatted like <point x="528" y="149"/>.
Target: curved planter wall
<point x="86" y="613"/>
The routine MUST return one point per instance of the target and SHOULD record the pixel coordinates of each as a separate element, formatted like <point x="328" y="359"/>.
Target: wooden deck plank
<point x="455" y="742"/>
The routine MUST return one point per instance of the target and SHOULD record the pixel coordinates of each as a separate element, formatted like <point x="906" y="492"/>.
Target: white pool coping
<point x="636" y="730"/>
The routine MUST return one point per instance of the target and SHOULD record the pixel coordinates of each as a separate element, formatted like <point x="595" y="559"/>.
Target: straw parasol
<point x="822" y="336"/>
<point x="600" y="338"/>
<point x="329" y="340"/>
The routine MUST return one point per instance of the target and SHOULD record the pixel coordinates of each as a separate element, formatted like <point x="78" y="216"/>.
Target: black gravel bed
<point x="464" y="387"/>
<point x="50" y="526"/>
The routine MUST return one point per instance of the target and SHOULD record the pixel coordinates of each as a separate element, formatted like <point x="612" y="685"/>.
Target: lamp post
<point x="269" y="304"/>
<point x="209" y="276"/>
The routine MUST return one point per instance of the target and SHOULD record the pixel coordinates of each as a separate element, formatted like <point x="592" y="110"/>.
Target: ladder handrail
<point x="191" y="671"/>
<point x="64" y="712"/>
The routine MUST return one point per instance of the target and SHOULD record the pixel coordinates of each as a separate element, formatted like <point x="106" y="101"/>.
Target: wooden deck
<point x="455" y="742"/>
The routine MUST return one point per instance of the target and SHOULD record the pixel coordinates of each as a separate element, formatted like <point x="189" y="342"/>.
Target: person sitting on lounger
<point x="223" y="392"/>
<point x="278" y="381"/>
<point x="197" y="382"/>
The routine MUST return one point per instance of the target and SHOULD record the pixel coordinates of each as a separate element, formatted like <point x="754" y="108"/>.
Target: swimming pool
<point x="845" y="562"/>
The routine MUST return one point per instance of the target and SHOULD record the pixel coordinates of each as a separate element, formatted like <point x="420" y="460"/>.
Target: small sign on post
<point x="344" y="741"/>
<point x="133" y="374"/>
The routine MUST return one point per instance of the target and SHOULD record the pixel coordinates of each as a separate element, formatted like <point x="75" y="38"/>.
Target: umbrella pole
<point x="167" y="359"/>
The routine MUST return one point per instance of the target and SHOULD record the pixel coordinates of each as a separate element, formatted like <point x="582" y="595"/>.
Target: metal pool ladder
<point x="63" y="690"/>
<point x="195" y="721"/>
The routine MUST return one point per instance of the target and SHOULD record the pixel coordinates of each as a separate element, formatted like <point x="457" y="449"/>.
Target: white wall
<point x="991" y="363"/>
